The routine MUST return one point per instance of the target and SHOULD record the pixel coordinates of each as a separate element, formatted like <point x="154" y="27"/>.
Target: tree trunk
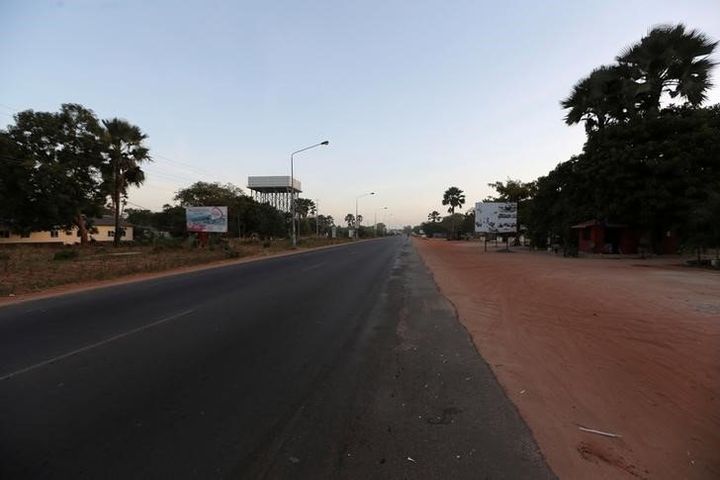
<point x="80" y="221"/>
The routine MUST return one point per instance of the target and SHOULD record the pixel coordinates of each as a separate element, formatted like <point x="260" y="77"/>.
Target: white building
<point x="102" y="230"/>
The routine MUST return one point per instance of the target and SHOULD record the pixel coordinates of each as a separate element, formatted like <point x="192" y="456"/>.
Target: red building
<point x="595" y="236"/>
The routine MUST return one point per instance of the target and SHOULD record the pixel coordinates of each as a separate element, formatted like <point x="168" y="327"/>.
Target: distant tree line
<point x="246" y="217"/>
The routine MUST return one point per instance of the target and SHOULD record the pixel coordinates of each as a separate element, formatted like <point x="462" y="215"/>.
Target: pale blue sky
<point x="414" y="96"/>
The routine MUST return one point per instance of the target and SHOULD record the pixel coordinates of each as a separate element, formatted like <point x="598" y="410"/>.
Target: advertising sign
<point x="495" y="217"/>
<point x="206" y="219"/>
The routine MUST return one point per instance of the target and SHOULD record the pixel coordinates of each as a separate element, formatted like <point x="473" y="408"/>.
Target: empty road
<point x="338" y="363"/>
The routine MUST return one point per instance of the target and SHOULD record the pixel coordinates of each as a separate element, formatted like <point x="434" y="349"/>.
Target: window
<point x="25" y="235"/>
<point x="586" y="233"/>
<point x="111" y="233"/>
<point x="68" y="232"/>
<point x="54" y="233"/>
<point x="4" y="233"/>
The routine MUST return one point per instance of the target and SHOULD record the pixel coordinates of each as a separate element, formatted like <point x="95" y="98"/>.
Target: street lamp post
<point x="317" y="218"/>
<point x="292" y="187"/>
<point x="383" y="208"/>
<point x="357" y="224"/>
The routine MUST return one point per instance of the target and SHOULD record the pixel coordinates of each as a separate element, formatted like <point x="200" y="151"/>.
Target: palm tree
<point x="434" y="216"/>
<point x="455" y="198"/>
<point x="670" y="59"/>
<point x="350" y="220"/>
<point x="125" y="153"/>
<point x="604" y="96"/>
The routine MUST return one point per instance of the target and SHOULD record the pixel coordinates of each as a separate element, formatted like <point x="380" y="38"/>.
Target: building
<point x="595" y="236"/>
<point x="102" y="230"/>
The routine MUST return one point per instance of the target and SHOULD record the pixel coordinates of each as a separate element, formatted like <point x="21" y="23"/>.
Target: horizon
<point x="412" y="100"/>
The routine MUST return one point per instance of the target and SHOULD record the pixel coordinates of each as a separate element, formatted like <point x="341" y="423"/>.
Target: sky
<point x="414" y="96"/>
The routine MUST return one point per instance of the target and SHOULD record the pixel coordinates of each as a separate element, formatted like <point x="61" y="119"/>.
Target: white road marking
<point x="313" y="267"/>
<point x="95" y="345"/>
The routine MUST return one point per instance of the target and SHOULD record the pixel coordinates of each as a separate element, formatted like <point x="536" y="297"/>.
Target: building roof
<point x="108" y="221"/>
<point x="599" y="223"/>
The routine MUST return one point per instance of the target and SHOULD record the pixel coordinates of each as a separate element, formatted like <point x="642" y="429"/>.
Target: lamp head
<point x="325" y="143"/>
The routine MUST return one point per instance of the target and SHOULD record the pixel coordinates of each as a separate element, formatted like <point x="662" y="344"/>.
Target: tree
<point x="434" y="216"/>
<point x="514" y="191"/>
<point x="603" y="97"/>
<point x="201" y="194"/>
<point x="455" y="198"/>
<point x="350" y="220"/>
<point x="125" y="152"/>
<point x="303" y="206"/>
<point x="51" y="170"/>
<point x="670" y="59"/>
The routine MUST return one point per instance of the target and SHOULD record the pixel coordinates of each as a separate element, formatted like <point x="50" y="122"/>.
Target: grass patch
<point x="27" y="269"/>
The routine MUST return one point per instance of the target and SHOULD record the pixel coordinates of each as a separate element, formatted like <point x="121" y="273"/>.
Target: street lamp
<point x="357" y="224"/>
<point x="376" y="210"/>
<point x="292" y="186"/>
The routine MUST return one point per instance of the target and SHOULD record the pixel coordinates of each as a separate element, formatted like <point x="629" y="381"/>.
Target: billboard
<point x="206" y="219"/>
<point x="495" y="217"/>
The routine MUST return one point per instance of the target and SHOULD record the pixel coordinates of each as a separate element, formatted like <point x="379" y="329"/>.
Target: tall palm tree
<point x="604" y="96"/>
<point x="125" y="153"/>
<point x="670" y="59"/>
<point x="434" y="216"/>
<point x="455" y="198"/>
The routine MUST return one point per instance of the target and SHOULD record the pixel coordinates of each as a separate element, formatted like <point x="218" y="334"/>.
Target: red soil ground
<point x="629" y="346"/>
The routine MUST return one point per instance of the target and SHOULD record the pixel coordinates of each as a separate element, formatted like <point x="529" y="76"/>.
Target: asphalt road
<point x="338" y="363"/>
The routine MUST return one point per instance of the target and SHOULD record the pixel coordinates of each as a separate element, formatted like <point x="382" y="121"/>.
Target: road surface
<point x="338" y="363"/>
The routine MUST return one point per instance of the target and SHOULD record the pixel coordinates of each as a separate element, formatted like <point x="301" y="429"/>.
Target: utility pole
<point x="292" y="187"/>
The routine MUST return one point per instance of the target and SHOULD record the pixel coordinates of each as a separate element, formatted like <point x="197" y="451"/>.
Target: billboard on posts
<point x="495" y="217"/>
<point x="206" y="219"/>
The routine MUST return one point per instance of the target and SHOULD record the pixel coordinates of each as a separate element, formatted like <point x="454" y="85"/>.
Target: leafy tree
<point x="304" y="206"/>
<point x="51" y="170"/>
<point x="208" y="194"/>
<point x="454" y="198"/>
<point x="350" y="220"/>
<point x="434" y="216"/>
<point x="515" y="191"/>
<point x="125" y="152"/>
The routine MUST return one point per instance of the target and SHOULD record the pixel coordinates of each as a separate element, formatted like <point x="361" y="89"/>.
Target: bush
<point x="65" y="255"/>
<point x="168" y="244"/>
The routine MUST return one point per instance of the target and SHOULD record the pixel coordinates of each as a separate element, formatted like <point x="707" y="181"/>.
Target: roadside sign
<point x="495" y="217"/>
<point x="206" y="219"/>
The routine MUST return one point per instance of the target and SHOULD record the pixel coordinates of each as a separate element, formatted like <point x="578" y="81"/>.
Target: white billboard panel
<point x="495" y="217"/>
<point x="206" y="219"/>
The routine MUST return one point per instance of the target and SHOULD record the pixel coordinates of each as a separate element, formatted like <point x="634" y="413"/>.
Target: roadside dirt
<point x="81" y="276"/>
<point x="628" y="347"/>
